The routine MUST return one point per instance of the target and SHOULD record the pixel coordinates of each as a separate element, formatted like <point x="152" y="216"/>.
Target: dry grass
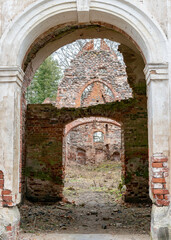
<point x="96" y="205"/>
<point x="104" y="177"/>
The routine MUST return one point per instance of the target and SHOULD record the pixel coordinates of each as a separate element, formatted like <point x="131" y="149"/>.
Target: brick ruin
<point x="32" y="30"/>
<point x="45" y="131"/>
<point x="92" y="140"/>
<point x="96" y="76"/>
<point x="46" y="128"/>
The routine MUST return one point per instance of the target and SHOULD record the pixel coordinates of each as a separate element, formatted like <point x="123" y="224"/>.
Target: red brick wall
<point x="6" y="198"/>
<point x="45" y="130"/>
<point x="160" y="173"/>
<point x="81" y="137"/>
<point x="131" y="113"/>
<point x="98" y="68"/>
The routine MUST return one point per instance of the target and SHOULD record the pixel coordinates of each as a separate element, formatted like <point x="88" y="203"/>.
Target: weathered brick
<point x="162" y="202"/>
<point x="47" y="123"/>
<point x="161" y="197"/>
<point x="158" y="180"/>
<point x="159" y="160"/>
<point x="9" y="228"/>
<point x="157" y="165"/>
<point x="167" y="197"/>
<point x="82" y="75"/>
<point x="160" y="191"/>
<point x="6" y="192"/>
<point x="7" y="198"/>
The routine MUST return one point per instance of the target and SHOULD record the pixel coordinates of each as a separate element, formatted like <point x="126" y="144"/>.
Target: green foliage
<point x="128" y="177"/>
<point x="45" y="82"/>
<point x="121" y="183"/>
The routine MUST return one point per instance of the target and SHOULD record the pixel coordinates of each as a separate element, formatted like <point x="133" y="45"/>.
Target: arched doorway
<point x="37" y="23"/>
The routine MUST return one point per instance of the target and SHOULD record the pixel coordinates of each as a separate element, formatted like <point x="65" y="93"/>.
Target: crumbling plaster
<point x="146" y="28"/>
<point x="43" y="15"/>
<point x="12" y="8"/>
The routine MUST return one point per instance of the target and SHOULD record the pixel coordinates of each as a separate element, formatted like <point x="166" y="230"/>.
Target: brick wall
<point x="44" y="157"/>
<point x="44" y="138"/>
<point x="79" y="142"/>
<point x="96" y="76"/>
<point x="97" y="71"/>
<point x="131" y="113"/>
<point x="159" y="175"/>
<point x="6" y="197"/>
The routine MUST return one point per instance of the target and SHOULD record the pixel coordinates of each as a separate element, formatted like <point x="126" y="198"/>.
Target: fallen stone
<point x="104" y="226"/>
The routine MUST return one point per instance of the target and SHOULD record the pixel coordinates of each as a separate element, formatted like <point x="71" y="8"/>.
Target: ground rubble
<point x="90" y="206"/>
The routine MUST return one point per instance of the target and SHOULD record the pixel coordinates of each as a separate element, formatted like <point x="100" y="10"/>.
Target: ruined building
<point x="96" y="76"/>
<point x="30" y="31"/>
<point x="71" y="132"/>
<point x="93" y="140"/>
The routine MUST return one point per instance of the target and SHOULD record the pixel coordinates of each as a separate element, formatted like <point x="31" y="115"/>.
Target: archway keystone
<point x="83" y="8"/>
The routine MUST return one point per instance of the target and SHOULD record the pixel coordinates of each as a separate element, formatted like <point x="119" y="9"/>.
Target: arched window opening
<point x="106" y="126"/>
<point x="98" y="137"/>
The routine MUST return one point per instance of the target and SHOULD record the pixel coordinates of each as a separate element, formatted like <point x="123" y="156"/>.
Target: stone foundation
<point x="160" y="223"/>
<point x="9" y="223"/>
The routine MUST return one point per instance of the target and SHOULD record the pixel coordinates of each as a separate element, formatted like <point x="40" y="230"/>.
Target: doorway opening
<point x="92" y="87"/>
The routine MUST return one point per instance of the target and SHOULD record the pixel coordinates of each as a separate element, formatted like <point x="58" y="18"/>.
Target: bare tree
<point x="65" y="54"/>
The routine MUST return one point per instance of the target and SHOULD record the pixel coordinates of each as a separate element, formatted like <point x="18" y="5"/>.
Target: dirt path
<point x="96" y="207"/>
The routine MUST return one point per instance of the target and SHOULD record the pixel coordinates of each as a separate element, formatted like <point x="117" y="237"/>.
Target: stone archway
<point x="77" y="122"/>
<point x="111" y="138"/>
<point x="41" y="18"/>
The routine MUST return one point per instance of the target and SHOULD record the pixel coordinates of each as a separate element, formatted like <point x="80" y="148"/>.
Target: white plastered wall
<point x="131" y="18"/>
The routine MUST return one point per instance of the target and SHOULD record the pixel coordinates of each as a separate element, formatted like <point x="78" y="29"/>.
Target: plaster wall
<point x="145" y="28"/>
<point x="158" y="10"/>
<point x="11" y="8"/>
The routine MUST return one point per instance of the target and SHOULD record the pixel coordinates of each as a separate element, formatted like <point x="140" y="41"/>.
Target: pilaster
<point x="158" y="137"/>
<point x="11" y="78"/>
